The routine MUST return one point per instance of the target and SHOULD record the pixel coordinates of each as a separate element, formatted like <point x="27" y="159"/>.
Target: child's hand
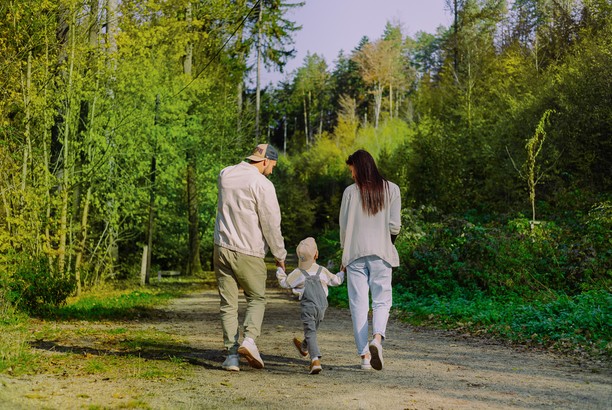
<point x="281" y="277"/>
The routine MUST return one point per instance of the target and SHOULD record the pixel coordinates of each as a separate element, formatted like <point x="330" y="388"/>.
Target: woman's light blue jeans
<point x="369" y="274"/>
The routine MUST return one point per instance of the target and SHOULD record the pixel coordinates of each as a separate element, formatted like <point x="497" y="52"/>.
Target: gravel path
<point x="424" y="369"/>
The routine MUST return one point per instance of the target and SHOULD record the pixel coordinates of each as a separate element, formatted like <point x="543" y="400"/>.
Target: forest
<point x="117" y="116"/>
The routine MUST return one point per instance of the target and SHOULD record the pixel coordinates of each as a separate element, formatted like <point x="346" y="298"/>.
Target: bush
<point x="34" y="290"/>
<point x="7" y="310"/>
<point x="506" y="258"/>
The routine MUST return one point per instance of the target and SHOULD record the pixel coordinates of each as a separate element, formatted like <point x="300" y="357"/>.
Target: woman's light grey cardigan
<point x="364" y="235"/>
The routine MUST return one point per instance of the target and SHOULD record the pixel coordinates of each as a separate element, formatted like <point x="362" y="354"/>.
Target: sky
<point x="329" y="26"/>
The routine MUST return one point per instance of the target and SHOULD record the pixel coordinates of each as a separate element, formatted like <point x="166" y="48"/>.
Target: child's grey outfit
<point x="314" y="303"/>
<point x="311" y="287"/>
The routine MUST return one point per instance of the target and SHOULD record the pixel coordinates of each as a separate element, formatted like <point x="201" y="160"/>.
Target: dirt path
<point x="423" y="370"/>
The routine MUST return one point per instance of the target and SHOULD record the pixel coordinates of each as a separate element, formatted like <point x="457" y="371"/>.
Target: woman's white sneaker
<point x="365" y="364"/>
<point x="376" y="355"/>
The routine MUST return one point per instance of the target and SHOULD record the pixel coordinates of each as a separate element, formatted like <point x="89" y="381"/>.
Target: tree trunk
<point x="391" y="100"/>
<point x="188" y="61"/>
<point x="111" y="52"/>
<point x="66" y="149"/>
<point x="194" y="265"/>
<point x="456" y="30"/>
<point x="82" y="242"/>
<point x="321" y="122"/>
<point x="84" y="125"/>
<point x="27" y="149"/>
<point x="47" y="167"/>
<point x="240" y="86"/>
<point x="258" y="80"/>
<point x="305" y="121"/>
<point x="151" y="219"/>
<point x="84" y="109"/>
<point x="377" y="104"/>
<point x="111" y="26"/>
<point x="284" y="134"/>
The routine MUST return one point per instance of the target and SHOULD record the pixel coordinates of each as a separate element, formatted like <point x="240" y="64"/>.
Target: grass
<point x="570" y="324"/>
<point x="78" y="339"/>
<point x="15" y="353"/>
<point x="115" y="303"/>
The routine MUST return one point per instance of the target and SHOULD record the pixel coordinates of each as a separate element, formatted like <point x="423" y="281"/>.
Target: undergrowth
<point x="546" y="284"/>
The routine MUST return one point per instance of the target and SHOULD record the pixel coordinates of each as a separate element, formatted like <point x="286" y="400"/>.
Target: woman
<point x="369" y="222"/>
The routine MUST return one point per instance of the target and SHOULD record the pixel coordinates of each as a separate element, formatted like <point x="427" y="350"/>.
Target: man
<point x="247" y="225"/>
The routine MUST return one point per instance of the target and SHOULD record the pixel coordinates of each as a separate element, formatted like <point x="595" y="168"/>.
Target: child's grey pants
<point x="314" y="304"/>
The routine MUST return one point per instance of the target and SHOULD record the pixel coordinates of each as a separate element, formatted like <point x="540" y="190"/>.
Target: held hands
<point x="281" y="277"/>
<point x="281" y="264"/>
<point x="280" y="273"/>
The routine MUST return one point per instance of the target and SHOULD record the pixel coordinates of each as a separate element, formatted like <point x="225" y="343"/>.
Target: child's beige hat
<point x="306" y="253"/>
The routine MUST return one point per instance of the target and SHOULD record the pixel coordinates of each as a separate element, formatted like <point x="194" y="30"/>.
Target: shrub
<point x="34" y="290"/>
<point x="505" y="258"/>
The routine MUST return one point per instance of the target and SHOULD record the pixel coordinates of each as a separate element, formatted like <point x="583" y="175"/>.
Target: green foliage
<point x="566" y="322"/>
<point x="8" y="313"/>
<point x="34" y="290"/>
<point x="503" y="258"/>
<point x="297" y="209"/>
<point x="384" y="140"/>
<point x="338" y="296"/>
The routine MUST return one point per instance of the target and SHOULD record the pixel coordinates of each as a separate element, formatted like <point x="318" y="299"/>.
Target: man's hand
<point x="281" y="264"/>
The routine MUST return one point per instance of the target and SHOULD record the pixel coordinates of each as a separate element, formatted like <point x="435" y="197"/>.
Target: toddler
<point x="310" y="281"/>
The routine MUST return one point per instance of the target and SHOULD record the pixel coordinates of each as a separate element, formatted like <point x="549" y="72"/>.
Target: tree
<point x="428" y="54"/>
<point x="531" y="170"/>
<point x="346" y="81"/>
<point x="311" y="85"/>
<point x="380" y="66"/>
<point x="272" y="33"/>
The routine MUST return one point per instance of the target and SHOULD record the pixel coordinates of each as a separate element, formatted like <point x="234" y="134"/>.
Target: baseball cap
<point x="264" y="151"/>
<point x="306" y="253"/>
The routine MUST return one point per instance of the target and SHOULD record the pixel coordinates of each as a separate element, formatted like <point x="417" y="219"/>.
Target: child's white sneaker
<point x="315" y="366"/>
<point x="300" y="347"/>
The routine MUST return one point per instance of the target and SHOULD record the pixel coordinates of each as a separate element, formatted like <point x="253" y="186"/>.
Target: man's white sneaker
<point x="232" y="363"/>
<point x="249" y="351"/>
<point x="376" y="354"/>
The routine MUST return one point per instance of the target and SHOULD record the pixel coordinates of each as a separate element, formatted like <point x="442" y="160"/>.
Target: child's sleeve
<point x="340" y="276"/>
<point x="335" y="280"/>
<point x="281" y="276"/>
<point x="295" y="280"/>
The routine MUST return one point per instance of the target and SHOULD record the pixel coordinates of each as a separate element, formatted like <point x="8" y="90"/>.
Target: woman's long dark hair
<point x="371" y="184"/>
